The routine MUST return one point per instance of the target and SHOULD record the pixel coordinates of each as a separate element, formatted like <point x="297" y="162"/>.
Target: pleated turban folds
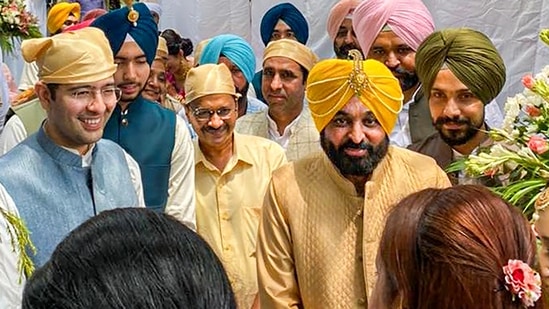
<point x="235" y="49"/>
<point x="142" y="28"/>
<point x="291" y="49"/>
<point x="208" y="79"/>
<point x="291" y="16"/>
<point x="79" y="56"/>
<point x="469" y="54"/>
<point x="408" y="19"/>
<point x="332" y="83"/>
<point x="337" y="14"/>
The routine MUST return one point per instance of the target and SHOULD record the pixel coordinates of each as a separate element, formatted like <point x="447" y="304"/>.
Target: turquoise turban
<point x="291" y="16"/>
<point x="235" y="49"/>
<point x="117" y="25"/>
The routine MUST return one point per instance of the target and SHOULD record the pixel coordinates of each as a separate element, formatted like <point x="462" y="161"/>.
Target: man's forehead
<point x="279" y="62"/>
<point x="281" y="26"/>
<point x="130" y="50"/>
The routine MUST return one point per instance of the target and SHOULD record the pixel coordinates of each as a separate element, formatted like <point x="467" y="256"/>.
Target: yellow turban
<point x="72" y="57"/>
<point x="59" y="13"/>
<point x="291" y="49"/>
<point x="207" y="79"/>
<point x="161" y="50"/>
<point x="332" y="83"/>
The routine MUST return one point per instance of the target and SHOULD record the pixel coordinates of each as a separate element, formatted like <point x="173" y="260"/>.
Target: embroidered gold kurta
<point x="318" y="239"/>
<point x="228" y="207"/>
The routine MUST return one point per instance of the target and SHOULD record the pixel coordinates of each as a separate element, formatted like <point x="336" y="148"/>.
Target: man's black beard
<point x="352" y="166"/>
<point x="456" y="138"/>
<point x="407" y="80"/>
<point x="343" y="51"/>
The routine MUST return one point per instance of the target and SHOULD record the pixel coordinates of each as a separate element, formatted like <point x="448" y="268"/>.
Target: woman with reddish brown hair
<point x="459" y="247"/>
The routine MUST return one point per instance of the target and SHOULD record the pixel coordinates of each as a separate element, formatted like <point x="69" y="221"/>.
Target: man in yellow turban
<point x="63" y="15"/>
<point x="287" y="121"/>
<point x="57" y="178"/>
<point x="461" y="71"/>
<point x="324" y="214"/>
<point x="232" y="173"/>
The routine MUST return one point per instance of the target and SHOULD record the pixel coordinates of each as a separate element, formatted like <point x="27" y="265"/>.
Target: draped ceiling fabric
<point x="512" y="26"/>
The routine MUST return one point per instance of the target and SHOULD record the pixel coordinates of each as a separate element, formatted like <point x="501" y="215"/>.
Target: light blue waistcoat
<point x="51" y="188"/>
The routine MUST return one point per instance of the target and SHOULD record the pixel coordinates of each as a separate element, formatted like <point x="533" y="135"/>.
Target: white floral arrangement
<point x="519" y="156"/>
<point x="16" y="23"/>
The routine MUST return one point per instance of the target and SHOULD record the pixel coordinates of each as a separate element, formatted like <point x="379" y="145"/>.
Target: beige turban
<point x="72" y="57"/>
<point x="198" y="50"/>
<point x="337" y="14"/>
<point x="161" y="50"/>
<point x="469" y="54"/>
<point x="59" y="13"/>
<point x="207" y="79"/>
<point x="293" y="50"/>
<point x="332" y="83"/>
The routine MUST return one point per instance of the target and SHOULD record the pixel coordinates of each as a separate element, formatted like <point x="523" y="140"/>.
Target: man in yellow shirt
<point x="232" y="172"/>
<point x="324" y="214"/>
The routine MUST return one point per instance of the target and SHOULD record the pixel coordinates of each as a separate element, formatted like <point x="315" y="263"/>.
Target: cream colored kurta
<point x="228" y="207"/>
<point x="318" y="239"/>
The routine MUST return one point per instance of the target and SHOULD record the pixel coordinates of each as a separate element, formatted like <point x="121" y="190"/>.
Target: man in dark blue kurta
<point x="157" y="139"/>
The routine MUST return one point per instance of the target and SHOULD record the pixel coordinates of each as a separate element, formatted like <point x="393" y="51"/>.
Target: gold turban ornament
<point x="469" y="54"/>
<point x="293" y="50"/>
<point x="332" y="83"/>
<point x="72" y="57"/>
<point x="208" y="79"/>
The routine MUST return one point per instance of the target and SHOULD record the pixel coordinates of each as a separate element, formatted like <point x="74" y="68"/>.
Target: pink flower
<point x="528" y="81"/>
<point x="538" y="144"/>
<point x="532" y="111"/>
<point x="522" y="282"/>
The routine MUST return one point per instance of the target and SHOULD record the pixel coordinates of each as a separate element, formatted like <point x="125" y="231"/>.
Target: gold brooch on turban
<point x="332" y="83"/>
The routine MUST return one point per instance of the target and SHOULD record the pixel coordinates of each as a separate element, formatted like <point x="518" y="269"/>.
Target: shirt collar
<point x="240" y="154"/>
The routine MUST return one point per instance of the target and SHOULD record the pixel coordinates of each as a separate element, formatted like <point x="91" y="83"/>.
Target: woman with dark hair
<point x="179" y="49"/>
<point x="459" y="247"/>
<point x="130" y="258"/>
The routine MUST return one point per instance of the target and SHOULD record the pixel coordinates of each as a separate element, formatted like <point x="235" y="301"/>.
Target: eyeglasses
<point x="204" y="114"/>
<point x="86" y="96"/>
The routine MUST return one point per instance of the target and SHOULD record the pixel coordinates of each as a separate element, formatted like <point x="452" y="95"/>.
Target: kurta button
<point x="359" y="213"/>
<point x="125" y="122"/>
<point x="361" y="301"/>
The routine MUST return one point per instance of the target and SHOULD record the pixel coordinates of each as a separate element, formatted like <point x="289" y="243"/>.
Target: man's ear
<point x="44" y="95"/>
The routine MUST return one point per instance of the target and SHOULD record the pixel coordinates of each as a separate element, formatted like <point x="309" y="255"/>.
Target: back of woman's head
<point x="176" y="43"/>
<point x="130" y="258"/>
<point x="446" y="248"/>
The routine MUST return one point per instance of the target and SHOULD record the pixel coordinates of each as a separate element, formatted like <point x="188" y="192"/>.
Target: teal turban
<point x="291" y="16"/>
<point x="469" y="54"/>
<point x="117" y="25"/>
<point x="235" y="49"/>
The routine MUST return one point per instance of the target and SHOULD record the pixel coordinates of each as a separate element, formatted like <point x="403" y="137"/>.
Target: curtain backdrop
<point x="512" y="25"/>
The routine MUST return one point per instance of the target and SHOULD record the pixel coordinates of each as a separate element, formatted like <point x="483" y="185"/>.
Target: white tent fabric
<point x="512" y="25"/>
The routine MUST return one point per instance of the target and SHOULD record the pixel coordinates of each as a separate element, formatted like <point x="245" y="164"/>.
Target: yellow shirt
<point x="318" y="239"/>
<point x="228" y="207"/>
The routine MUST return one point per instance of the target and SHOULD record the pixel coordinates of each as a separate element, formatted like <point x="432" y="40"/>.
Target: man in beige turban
<point x="232" y="172"/>
<point x="287" y="121"/>
<point x="56" y="178"/>
<point x="324" y="214"/>
<point x="461" y="71"/>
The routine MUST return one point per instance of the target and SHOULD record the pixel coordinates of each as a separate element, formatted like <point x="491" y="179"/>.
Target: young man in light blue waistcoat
<point x="65" y="173"/>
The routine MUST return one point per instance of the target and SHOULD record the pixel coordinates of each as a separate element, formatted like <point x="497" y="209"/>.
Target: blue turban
<point x="116" y="26"/>
<point x="291" y="16"/>
<point x="233" y="47"/>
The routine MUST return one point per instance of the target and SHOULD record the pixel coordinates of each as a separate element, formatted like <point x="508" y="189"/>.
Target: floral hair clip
<point x="522" y="281"/>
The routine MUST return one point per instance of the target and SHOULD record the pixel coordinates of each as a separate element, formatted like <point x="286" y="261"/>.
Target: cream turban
<point x="332" y="83"/>
<point x="198" y="50"/>
<point x="79" y="56"/>
<point x="161" y="50"/>
<point x="408" y="19"/>
<point x="207" y="79"/>
<point x="337" y="14"/>
<point x="59" y="13"/>
<point x="292" y="50"/>
<point x="469" y="54"/>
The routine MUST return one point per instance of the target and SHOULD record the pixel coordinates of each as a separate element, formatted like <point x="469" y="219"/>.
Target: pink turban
<point x="408" y="19"/>
<point x="338" y="14"/>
